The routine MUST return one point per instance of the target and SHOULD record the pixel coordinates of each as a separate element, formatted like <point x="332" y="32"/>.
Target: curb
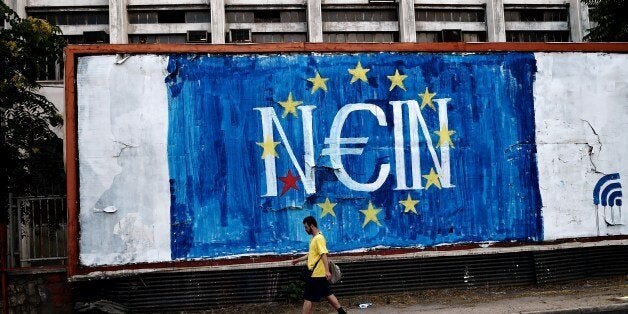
<point x="613" y="308"/>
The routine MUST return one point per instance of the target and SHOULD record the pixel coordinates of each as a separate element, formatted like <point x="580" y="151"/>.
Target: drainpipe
<point x="5" y="283"/>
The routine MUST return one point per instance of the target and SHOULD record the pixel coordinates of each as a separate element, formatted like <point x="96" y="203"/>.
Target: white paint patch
<point x="581" y="116"/>
<point x="122" y="133"/>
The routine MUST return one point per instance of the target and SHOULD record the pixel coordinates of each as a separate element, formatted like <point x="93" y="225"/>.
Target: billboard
<point x="188" y="156"/>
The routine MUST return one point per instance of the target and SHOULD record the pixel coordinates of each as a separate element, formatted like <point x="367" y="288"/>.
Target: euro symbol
<point x="335" y="152"/>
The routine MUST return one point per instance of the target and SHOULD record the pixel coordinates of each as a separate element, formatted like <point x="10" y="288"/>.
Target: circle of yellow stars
<point x="359" y="73"/>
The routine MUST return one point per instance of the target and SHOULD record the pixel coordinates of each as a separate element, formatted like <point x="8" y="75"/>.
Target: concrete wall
<point x="202" y="156"/>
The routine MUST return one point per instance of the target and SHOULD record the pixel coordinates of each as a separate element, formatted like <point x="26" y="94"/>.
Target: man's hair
<point x="310" y="221"/>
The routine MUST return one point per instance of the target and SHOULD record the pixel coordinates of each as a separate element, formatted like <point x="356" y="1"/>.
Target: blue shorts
<point x="316" y="288"/>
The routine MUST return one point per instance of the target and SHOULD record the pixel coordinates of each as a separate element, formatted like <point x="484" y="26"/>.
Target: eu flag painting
<point x="383" y="149"/>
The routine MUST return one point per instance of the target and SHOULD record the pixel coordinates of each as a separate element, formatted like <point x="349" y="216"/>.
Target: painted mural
<point x="218" y="156"/>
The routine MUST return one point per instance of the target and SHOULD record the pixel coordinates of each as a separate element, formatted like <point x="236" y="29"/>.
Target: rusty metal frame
<point x="73" y="52"/>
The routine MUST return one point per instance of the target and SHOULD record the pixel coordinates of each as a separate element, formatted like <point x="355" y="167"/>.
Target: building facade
<point x="272" y="21"/>
<point x="224" y="21"/>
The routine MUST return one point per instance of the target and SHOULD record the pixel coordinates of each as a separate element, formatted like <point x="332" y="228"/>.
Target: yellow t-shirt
<point x="318" y="247"/>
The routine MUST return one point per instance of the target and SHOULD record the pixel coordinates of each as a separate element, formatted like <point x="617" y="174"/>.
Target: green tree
<point x="611" y="17"/>
<point x="30" y="152"/>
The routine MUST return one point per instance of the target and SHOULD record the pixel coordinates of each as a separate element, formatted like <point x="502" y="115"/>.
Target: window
<point x="157" y="39"/>
<point x="435" y="37"/>
<point x="536" y="15"/>
<point x="265" y="16"/>
<point x="53" y="71"/>
<point x="269" y="16"/>
<point x="360" y="37"/>
<point x="142" y="17"/>
<point x="74" y="18"/>
<point x="370" y="15"/>
<point x="454" y="15"/>
<point x="197" y="17"/>
<point x="171" y="17"/>
<point x="240" y="36"/>
<point x="279" y="37"/>
<point x="198" y="37"/>
<point x="537" y="36"/>
<point x="537" y="23"/>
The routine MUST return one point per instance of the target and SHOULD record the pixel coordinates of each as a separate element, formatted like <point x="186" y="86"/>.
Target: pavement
<point x="606" y="295"/>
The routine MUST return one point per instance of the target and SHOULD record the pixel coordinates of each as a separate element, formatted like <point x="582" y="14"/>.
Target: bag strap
<point x="319" y="259"/>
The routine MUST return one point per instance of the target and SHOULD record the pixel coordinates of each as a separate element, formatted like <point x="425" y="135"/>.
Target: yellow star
<point x="432" y="178"/>
<point x="358" y="73"/>
<point x="269" y="147"/>
<point x="427" y="99"/>
<point x="445" y="136"/>
<point x="328" y="208"/>
<point x="318" y="82"/>
<point x="370" y="214"/>
<point x="409" y="205"/>
<point x="396" y="80"/>
<point x="289" y="106"/>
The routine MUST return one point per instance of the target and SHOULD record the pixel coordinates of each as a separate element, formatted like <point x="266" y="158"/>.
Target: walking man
<point x="317" y="286"/>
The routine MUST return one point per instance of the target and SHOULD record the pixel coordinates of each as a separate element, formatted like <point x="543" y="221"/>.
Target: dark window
<point x="537" y="36"/>
<point x="240" y="16"/>
<point x="59" y="18"/>
<point x="53" y="71"/>
<point x="434" y="37"/>
<point x="156" y="39"/>
<point x="92" y="19"/>
<point x="99" y="37"/>
<point x="452" y="35"/>
<point x="197" y="37"/>
<point x="142" y="17"/>
<point x="361" y="37"/>
<point x="428" y="37"/>
<point x="74" y="18"/>
<point x="102" y="18"/>
<point x="171" y="17"/>
<point x="536" y="15"/>
<point x="359" y="15"/>
<point x="267" y="16"/>
<point x="279" y="37"/>
<point x="474" y="36"/>
<point x="142" y="39"/>
<point x="292" y="16"/>
<point x="240" y="35"/>
<point x="197" y="17"/>
<point x="449" y="15"/>
<point x="74" y="40"/>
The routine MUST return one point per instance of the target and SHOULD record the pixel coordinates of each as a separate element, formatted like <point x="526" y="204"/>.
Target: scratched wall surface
<point x="123" y="170"/>
<point x="581" y="103"/>
<point x="187" y="157"/>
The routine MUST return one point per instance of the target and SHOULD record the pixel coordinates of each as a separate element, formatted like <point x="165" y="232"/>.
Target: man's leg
<point x="334" y="303"/>
<point x="307" y="307"/>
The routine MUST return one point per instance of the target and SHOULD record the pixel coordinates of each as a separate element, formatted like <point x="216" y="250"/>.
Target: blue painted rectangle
<point x="223" y="200"/>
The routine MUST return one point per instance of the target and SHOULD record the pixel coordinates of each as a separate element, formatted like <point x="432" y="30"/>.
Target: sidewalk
<point x="608" y="295"/>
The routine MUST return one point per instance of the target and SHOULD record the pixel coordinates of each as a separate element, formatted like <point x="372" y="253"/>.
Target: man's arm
<point x="326" y="265"/>
<point x="297" y="260"/>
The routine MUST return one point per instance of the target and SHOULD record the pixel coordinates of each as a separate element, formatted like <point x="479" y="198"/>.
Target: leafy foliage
<point x="30" y="150"/>
<point x="611" y="17"/>
<point x="293" y="291"/>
